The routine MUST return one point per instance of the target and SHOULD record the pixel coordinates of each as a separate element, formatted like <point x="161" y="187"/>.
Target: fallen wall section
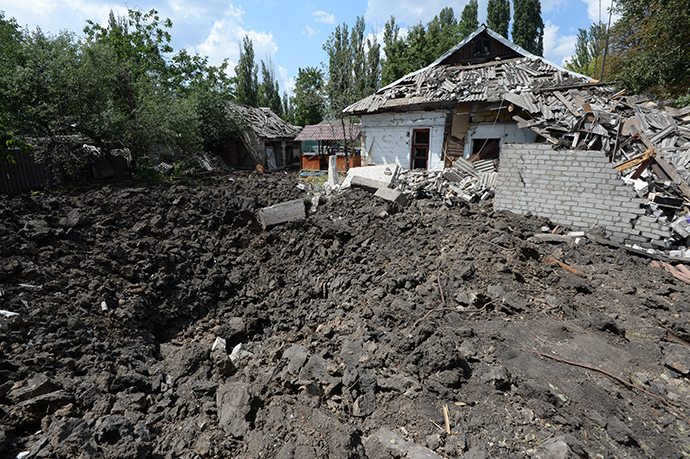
<point x="578" y="188"/>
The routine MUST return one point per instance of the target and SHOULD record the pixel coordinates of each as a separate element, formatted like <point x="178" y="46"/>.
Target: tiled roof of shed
<point x="329" y="132"/>
<point x="264" y="122"/>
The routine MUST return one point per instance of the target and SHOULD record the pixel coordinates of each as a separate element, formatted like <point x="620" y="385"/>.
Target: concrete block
<point x="333" y="179"/>
<point x="282" y="213"/>
<point x="385" y="173"/>
<point x="392" y="195"/>
<point x="368" y="184"/>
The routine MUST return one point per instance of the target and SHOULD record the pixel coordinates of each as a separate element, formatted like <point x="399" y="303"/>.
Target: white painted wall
<point x="507" y="132"/>
<point x="388" y="137"/>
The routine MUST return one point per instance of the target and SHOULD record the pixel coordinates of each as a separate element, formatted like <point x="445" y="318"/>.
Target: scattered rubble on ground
<point x="164" y="321"/>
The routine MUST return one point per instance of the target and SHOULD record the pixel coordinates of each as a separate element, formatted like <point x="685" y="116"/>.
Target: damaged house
<point x="458" y="105"/>
<point x="573" y="150"/>
<point x="267" y="140"/>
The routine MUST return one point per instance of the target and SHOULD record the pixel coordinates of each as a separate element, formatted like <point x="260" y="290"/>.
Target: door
<point x="420" y="149"/>
<point x="271" y="158"/>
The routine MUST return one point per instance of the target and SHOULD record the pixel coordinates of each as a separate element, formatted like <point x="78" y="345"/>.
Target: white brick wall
<point x="577" y="188"/>
<point x="388" y="137"/>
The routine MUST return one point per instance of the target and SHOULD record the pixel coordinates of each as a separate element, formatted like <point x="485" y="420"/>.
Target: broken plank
<point x="523" y="123"/>
<point x="546" y="135"/>
<point x="643" y="166"/>
<point x="635" y="130"/>
<point x="660" y="173"/>
<point x="635" y="161"/>
<point x="662" y="134"/>
<point x="579" y="101"/>
<point x="673" y="175"/>
<point x="565" y="102"/>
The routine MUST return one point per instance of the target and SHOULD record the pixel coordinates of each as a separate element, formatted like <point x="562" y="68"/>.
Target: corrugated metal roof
<point x="329" y="132"/>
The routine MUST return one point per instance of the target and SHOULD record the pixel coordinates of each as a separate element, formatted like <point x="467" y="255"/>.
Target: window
<point x="420" y="149"/>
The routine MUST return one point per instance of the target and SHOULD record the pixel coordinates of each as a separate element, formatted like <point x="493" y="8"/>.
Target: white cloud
<point x="286" y="84"/>
<point x="309" y="32"/>
<point x="263" y="42"/>
<point x="322" y="16"/>
<point x="225" y="39"/>
<point x="548" y="6"/>
<point x="557" y="47"/>
<point x="185" y="10"/>
<point x="290" y="86"/>
<point x="410" y="12"/>
<point x="593" y="10"/>
<point x="55" y="15"/>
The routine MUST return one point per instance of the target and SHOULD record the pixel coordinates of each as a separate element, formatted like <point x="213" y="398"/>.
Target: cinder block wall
<point x="576" y="188"/>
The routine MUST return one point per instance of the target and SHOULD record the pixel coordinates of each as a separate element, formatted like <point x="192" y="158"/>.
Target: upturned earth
<point x="347" y="334"/>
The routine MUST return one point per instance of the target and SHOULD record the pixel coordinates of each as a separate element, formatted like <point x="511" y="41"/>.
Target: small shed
<point x="267" y="140"/>
<point x="319" y="141"/>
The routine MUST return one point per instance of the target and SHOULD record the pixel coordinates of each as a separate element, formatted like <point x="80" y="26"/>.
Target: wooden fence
<point x="24" y="174"/>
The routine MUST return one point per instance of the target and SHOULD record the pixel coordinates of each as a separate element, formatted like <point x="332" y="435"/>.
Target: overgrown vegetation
<point x="650" y="46"/>
<point x="120" y="85"/>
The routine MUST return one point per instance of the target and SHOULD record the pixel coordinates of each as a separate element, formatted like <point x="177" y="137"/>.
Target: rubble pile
<point x="648" y="143"/>
<point x="454" y="185"/>
<point x="463" y="183"/>
<point x="165" y="321"/>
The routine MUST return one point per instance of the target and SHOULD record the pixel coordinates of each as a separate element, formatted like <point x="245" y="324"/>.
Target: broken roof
<point x="265" y="122"/>
<point x="482" y="68"/>
<point x="329" y="132"/>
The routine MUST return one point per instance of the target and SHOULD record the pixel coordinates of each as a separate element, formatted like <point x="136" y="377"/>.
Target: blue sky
<point x="291" y="33"/>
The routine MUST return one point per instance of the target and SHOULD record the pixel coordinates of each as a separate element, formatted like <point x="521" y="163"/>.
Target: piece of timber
<point x="565" y="102"/>
<point x="673" y="175"/>
<point x="579" y="101"/>
<point x="632" y="162"/>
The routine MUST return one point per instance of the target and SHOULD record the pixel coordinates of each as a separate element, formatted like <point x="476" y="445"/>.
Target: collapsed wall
<point x="577" y="188"/>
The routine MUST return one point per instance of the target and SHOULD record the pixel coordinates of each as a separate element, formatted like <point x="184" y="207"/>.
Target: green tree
<point x="442" y="32"/>
<point x="351" y="69"/>
<point x="528" y="26"/>
<point x="10" y="52"/>
<point x="468" y="19"/>
<point x="394" y="65"/>
<point x="209" y="89"/>
<point x="146" y="112"/>
<point x="288" y="109"/>
<point x="340" y="87"/>
<point x="650" y="46"/>
<point x="56" y="86"/>
<point x="309" y="102"/>
<point x="589" y="51"/>
<point x="10" y="44"/>
<point x="417" y="49"/>
<point x="269" y="90"/>
<point x="498" y="16"/>
<point x="119" y="84"/>
<point x="373" y="66"/>
<point x="247" y="90"/>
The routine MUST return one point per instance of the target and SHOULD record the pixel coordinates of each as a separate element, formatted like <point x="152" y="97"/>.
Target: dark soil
<point x="349" y="331"/>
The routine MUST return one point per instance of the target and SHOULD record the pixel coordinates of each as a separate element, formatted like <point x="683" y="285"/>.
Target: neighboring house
<point x="461" y="105"/>
<point x="267" y="140"/>
<point x="319" y="141"/>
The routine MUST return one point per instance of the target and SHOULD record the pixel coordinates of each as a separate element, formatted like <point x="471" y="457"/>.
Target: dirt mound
<point x="162" y="321"/>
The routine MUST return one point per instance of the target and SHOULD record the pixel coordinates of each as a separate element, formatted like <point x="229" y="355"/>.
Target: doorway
<point x="420" y="149"/>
